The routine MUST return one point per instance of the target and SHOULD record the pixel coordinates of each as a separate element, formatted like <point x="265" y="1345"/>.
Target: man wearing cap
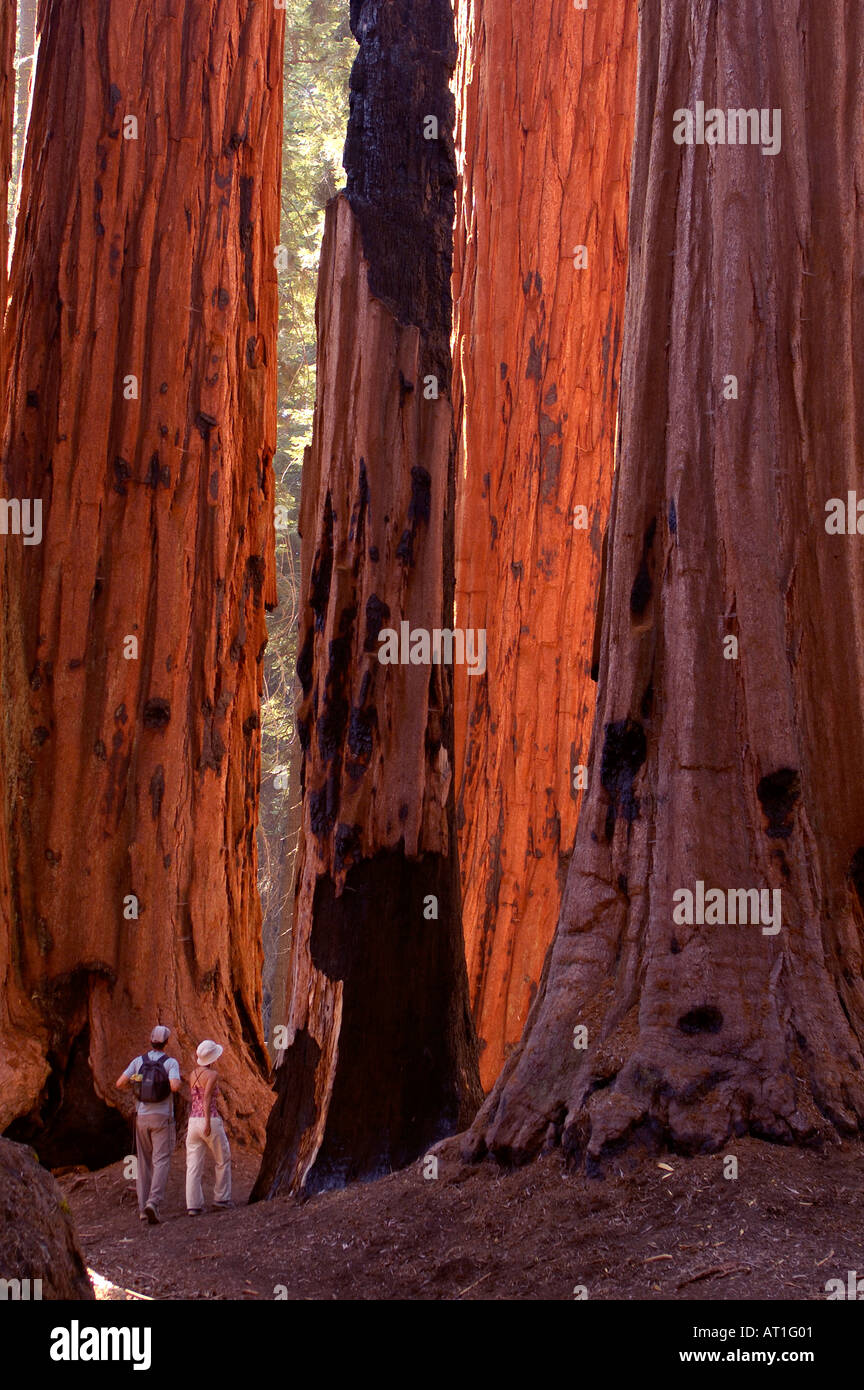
<point x="157" y="1075"/>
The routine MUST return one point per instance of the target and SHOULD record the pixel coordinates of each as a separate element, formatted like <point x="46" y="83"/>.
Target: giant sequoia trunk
<point x="732" y="773"/>
<point x="141" y="334"/>
<point x="22" y="1063"/>
<point x="380" y="1050"/>
<point x="546" y="102"/>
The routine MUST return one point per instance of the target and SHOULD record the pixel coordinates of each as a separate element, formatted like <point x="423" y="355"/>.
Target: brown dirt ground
<point x="662" y="1228"/>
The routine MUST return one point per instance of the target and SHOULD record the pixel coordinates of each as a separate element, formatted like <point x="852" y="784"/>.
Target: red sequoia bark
<point x="144" y="253"/>
<point x="22" y="1063"/>
<point x="546" y="97"/>
<point x="737" y="773"/>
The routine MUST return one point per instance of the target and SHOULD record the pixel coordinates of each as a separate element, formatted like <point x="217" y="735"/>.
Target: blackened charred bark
<point x="400" y="1012"/>
<point x="381" y="1056"/>
<point x="401" y="184"/>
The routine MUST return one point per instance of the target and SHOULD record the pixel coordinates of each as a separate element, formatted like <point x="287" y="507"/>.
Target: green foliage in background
<point x="319" y="51"/>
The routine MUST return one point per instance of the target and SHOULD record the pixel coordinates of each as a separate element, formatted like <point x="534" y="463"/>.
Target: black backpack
<point x="155" y="1085"/>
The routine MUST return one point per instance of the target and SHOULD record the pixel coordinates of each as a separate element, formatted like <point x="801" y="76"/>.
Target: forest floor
<point x="656" y="1228"/>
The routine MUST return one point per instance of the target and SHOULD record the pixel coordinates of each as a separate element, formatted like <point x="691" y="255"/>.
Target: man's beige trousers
<point x="155" y="1135"/>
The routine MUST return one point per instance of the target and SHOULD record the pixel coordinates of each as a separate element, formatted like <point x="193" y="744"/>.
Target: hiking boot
<point x="151" y="1214"/>
<point x="223" y="1206"/>
<point x="194" y="1211"/>
<point x="142" y="1216"/>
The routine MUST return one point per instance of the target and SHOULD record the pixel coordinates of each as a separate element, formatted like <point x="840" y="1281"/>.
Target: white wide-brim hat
<point x="208" y="1051"/>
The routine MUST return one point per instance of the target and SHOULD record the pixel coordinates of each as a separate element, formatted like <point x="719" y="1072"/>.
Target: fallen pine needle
<point x="474" y="1285"/>
<point x="721" y="1271"/>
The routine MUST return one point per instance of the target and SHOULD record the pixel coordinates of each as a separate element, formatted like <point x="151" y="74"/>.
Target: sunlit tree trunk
<point x="732" y="764"/>
<point x="546" y="96"/>
<point x="22" y="1063"/>
<point x="141" y="335"/>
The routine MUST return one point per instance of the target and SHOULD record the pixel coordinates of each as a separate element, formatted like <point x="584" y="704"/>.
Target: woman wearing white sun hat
<point x="206" y="1133"/>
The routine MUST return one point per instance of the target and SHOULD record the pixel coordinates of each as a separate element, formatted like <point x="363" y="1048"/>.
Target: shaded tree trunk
<point x="380" y="1058"/>
<point x="141" y="334"/>
<point x="736" y="773"/>
<point x="537" y="354"/>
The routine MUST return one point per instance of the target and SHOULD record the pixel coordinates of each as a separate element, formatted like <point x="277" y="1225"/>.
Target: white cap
<point x="160" y="1034"/>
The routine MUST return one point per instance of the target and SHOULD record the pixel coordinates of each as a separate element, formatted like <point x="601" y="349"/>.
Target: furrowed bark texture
<point x="22" y="1064"/>
<point x="546" y="97"/>
<point x="742" y="773"/>
<point x="152" y="258"/>
<point x="381" y="1054"/>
